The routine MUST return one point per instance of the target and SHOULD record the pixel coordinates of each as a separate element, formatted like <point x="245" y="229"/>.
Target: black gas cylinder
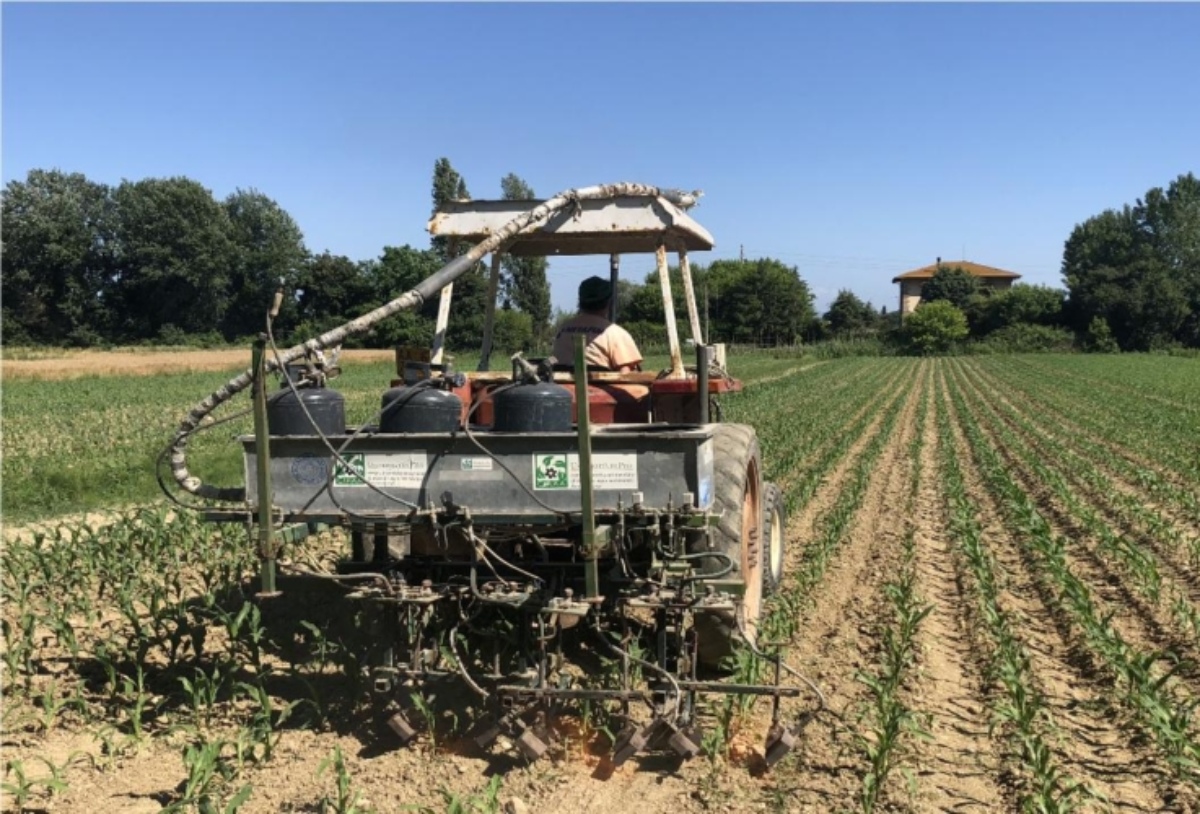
<point x="285" y="415"/>
<point x="540" y="407"/>
<point x="420" y="409"/>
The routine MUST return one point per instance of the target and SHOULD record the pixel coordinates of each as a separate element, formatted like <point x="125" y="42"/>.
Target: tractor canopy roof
<point x="618" y="225"/>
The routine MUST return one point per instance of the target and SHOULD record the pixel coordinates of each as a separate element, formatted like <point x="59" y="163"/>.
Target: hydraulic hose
<point x="410" y="299"/>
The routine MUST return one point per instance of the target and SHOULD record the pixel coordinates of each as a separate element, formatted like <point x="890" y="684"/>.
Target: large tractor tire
<point x="738" y="494"/>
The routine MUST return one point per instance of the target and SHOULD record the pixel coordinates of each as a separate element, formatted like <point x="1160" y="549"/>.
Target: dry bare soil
<point x="66" y="364"/>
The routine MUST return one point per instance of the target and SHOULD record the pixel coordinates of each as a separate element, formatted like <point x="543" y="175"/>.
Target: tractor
<point x="512" y="531"/>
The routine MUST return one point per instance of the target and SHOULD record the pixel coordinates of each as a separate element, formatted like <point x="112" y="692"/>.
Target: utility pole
<point x="741" y="253"/>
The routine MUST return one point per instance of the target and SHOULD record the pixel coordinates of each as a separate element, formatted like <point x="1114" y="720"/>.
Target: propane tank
<point x="533" y="407"/>
<point x="420" y="409"/>
<point x="286" y="416"/>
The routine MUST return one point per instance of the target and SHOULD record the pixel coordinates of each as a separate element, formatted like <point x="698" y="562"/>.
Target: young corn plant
<point x="486" y="801"/>
<point x="203" y="691"/>
<point x="21" y="788"/>
<point x="139" y="699"/>
<point x="263" y="733"/>
<point x="345" y="797"/>
<point x="208" y="774"/>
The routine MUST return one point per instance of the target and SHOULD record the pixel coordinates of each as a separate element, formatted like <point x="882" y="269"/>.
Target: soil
<point x="69" y="364"/>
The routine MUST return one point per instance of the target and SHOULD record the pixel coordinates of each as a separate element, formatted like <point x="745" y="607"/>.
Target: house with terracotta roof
<point x="912" y="282"/>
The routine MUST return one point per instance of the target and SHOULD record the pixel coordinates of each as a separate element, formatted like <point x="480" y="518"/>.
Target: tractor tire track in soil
<point x="784" y="374"/>
<point x="1095" y="747"/>
<point x="958" y="766"/>
<point x="838" y="632"/>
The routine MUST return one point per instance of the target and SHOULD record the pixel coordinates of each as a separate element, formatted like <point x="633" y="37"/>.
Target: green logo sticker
<point x="550" y="471"/>
<point x="355" y="474"/>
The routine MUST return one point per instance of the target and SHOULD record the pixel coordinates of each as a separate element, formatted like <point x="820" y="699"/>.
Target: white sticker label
<point x="610" y="471"/>
<point x="480" y="464"/>
<point x="404" y="470"/>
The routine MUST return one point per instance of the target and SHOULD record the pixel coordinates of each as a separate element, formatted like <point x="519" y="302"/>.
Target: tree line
<point x="162" y="261"/>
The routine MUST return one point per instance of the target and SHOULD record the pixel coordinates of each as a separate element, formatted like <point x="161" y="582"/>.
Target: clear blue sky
<point x="853" y="141"/>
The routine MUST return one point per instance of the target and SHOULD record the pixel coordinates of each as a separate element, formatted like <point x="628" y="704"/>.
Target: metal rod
<point x="664" y="278"/>
<point x="689" y="294"/>
<point x="583" y="419"/>
<point x="262" y="456"/>
<point x="489" y="315"/>
<point x="695" y="686"/>
<point x="702" y="381"/>
<point x="614" y="273"/>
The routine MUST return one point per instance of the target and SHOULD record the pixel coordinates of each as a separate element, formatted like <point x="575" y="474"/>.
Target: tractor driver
<point x="608" y="345"/>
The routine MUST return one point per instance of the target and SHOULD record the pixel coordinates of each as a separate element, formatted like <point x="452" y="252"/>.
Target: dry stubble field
<point x="994" y="578"/>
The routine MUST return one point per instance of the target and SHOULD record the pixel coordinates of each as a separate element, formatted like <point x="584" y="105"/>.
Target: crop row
<point x="1136" y="560"/>
<point x="891" y="721"/>
<point x="1129" y="423"/>
<point x="870" y="383"/>
<point x="820" y="427"/>
<point x="833" y="525"/>
<point x="1168" y="381"/>
<point x="1020" y="708"/>
<point x="1146" y="693"/>
<point x="1181" y="502"/>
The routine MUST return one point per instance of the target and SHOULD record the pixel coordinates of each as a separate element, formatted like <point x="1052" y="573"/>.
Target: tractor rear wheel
<point x="774" y="527"/>
<point x="738" y="494"/>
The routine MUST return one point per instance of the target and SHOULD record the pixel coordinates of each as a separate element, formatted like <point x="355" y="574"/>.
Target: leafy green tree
<point x="58" y="241"/>
<point x="848" y="315"/>
<point x="934" y="327"/>
<point x="644" y="303"/>
<point x="1099" y="338"/>
<point x="269" y="248"/>
<point x="1021" y="304"/>
<point x="448" y="186"/>
<point x="400" y="269"/>
<point x="470" y="289"/>
<point x="952" y="284"/>
<point x="763" y="301"/>
<point x="333" y="289"/>
<point x="626" y="290"/>
<point x="513" y="331"/>
<point x="174" y="256"/>
<point x="1138" y="268"/>
<point x="524" y="282"/>
<point x="760" y="301"/>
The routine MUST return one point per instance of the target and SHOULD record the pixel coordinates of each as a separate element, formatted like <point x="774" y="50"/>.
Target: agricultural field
<point x="993" y="579"/>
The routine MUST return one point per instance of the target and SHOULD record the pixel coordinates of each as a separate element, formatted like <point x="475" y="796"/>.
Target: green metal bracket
<point x="262" y="438"/>
<point x="592" y="573"/>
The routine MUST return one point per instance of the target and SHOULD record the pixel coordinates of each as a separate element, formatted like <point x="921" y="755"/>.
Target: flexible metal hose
<point x="410" y="299"/>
